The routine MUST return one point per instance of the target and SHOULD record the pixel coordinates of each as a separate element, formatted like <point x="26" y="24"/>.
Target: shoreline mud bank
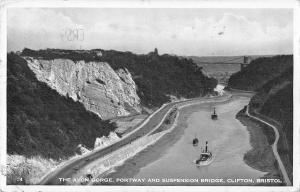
<point x="261" y="156"/>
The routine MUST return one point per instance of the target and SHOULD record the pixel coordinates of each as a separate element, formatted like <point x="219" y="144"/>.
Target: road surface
<point x="274" y="147"/>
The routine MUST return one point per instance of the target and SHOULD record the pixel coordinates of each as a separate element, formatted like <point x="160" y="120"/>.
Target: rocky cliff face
<point x="102" y="90"/>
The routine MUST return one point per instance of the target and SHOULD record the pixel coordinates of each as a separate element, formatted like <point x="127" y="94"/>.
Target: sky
<point x="186" y="32"/>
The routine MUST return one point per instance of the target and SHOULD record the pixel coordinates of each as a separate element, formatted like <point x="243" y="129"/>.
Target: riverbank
<point x="261" y="156"/>
<point x="282" y="145"/>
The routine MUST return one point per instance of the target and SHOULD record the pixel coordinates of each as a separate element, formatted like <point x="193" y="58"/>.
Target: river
<point x="228" y="140"/>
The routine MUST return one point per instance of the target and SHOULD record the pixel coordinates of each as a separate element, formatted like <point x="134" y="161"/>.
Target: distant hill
<point x="222" y="59"/>
<point x="213" y="65"/>
<point x="156" y="76"/>
<point x="42" y="122"/>
<point x="259" y="72"/>
<point x="216" y="59"/>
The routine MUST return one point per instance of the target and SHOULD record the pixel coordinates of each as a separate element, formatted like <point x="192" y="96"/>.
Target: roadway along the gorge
<point x="274" y="147"/>
<point x="67" y="170"/>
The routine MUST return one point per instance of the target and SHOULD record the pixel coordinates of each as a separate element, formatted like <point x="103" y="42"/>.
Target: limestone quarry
<point x="102" y="90"/>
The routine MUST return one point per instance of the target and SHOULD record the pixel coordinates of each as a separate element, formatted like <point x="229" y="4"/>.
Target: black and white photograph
<point x="149" y="96"/>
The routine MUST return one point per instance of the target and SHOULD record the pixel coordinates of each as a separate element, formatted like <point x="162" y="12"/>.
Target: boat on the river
<point x="195" y="141"/>
<point x="205" y="158"/>
<point x="214" y="116"/>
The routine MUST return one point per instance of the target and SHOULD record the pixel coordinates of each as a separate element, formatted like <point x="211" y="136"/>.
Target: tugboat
<point x="195" y="141"/>
<point x="205" y="157"/>
<point x="214" y="116"/>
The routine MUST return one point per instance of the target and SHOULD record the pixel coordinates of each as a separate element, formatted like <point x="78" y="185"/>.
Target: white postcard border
<point x="4" y="5"/>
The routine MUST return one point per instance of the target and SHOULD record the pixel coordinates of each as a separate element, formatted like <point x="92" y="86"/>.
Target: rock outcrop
<point x="81" y="149"/>
<point x="102" y="90"/>
<point x="105" y="141"/>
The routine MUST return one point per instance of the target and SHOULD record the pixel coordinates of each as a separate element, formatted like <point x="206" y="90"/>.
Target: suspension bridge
<point x="243" y="61"/>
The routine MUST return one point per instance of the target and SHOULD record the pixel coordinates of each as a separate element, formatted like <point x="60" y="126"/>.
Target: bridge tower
<point x="246" y="61"/>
